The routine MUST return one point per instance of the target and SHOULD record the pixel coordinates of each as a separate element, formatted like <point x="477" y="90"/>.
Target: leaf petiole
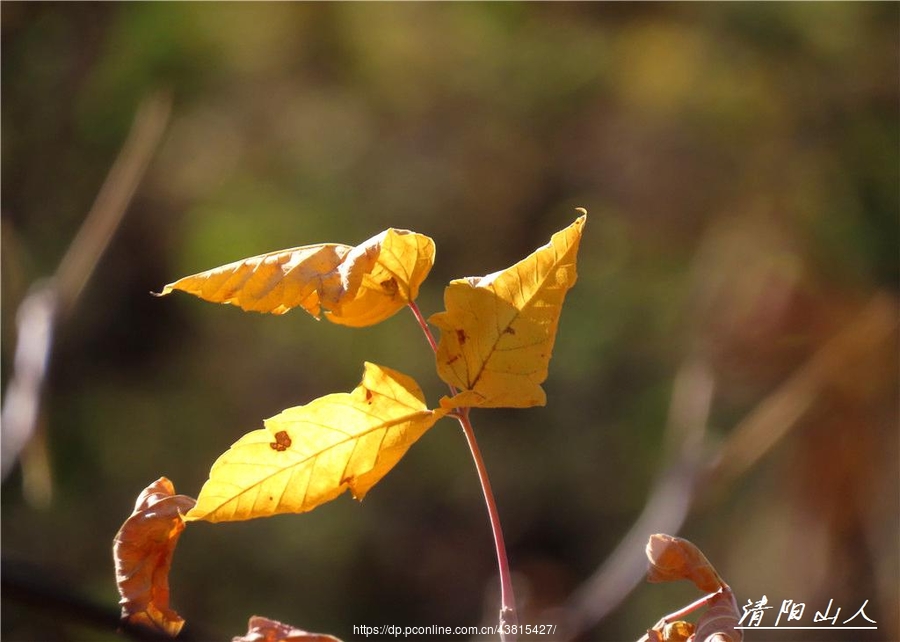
<point x="424" y="325"/>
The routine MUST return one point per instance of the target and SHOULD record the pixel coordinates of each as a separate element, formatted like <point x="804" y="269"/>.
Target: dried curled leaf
<point x="498" y="331"/>
<point x="143" y="550"/>
<point x="356" y="286"/>
<point x="262" y="629"/>
<point x="673" y="558"/>
<point x="677" y="631"/>
<point x="308" y="455"/>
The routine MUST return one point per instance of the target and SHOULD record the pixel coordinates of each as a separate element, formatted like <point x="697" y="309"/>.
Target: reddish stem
<point x="424" y="325"/>
<point x="507" y="597"/>
<point x="508" y="619"/>
<point x="690" y="608"/>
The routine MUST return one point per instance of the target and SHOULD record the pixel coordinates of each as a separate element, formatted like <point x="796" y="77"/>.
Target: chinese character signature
<point x="754" y="612"/>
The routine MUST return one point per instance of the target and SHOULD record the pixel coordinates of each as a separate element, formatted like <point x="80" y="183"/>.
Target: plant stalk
<point x="508" y="617"/>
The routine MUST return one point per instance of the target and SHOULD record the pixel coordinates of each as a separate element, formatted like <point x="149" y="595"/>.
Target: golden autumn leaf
<point x="673" y="558"/>
<point x="356" y="286"/>
<point x="262" y="629"/>
<point x="275" y="282"/>
<point x="379" y="277"/>
<point x="308" y="455"/>
<point x="143" y="550"/>
<point x="497" y="331"/>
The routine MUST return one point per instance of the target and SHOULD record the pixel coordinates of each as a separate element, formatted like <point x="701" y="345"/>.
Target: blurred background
<point x="730" y="348"/>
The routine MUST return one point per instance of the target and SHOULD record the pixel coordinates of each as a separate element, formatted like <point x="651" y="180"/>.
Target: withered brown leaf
<point x="143" y="550"/>
<point x="262" y="629"/>
<point x="673" y="558"/>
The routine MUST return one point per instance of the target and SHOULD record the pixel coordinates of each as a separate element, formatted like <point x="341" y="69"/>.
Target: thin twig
<point x="112" y="200"/>
<point x="666" y="508"/>
<point x="684" y="611"/>
<point x="776" y="415"/>
<point x="54" y="599"/>
<point x="48" y="300"/>
<point x="771" y="420"/>
<point x="35" y="320"/>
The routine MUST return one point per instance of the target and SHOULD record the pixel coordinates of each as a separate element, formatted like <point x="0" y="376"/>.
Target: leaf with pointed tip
<point x="356" y="286"/>
<point x="143" y="550"/>
<point x="498" y="331"/>
<point x="275" y="282"/>
<point x="673" y="558"/>
<point x="308" y="455"/>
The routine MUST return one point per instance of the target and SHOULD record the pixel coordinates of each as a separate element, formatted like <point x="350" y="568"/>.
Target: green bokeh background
<point x="740" y="165"/>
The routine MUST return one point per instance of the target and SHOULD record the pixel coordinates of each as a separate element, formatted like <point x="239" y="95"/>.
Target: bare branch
<point x="765" y="426"/>
<point x="667" y="506"/>
<point x="37" y="315"/>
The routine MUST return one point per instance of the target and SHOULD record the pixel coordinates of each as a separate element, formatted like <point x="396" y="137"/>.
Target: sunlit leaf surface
<point x="308" y="455"/>
<point x="356" y="286"/>
<point x="497" y="332"/>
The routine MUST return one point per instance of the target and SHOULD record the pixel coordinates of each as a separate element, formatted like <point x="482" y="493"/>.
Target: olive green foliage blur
<point x="740" y="163"/>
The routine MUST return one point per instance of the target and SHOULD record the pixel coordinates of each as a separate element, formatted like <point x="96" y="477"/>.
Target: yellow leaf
<point x="308" y="455"/>
<point x="497" y="332"/>
<point x="357" y="286"/>
<point x="380" y="277"/>
<point x="275" y="282"/>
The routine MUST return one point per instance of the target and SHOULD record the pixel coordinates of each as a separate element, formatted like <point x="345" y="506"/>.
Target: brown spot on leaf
<point x="368" y="396"/>
<point x="452" y="359"/>
<point x="390" y="286"/>
<point x="282" y="441"/>
<point x="509" y="330"/>
<point x="461" y="336"/>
